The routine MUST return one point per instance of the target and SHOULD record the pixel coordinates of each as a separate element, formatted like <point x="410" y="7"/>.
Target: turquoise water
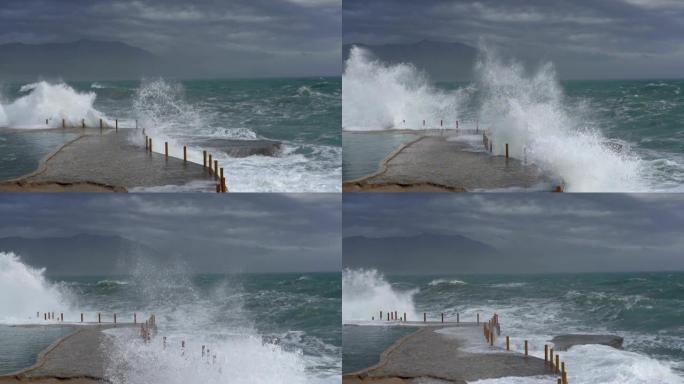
<point x="646" y="309"/>
<point x="303" y="114"/>
<point x="21" y="344"/>
<point x="364" y="345"/>
<point x="20" y="153"/>
<point x="363" y="152"/>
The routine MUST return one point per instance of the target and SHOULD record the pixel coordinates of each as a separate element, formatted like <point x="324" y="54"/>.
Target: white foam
<point x="448" y="282"/>
<point x="43" y="100"/>
<point x="167" y="117"/>
<point x="365" y="292"/>
<point x="378" y="96"/>
<point x="24" y="290"/>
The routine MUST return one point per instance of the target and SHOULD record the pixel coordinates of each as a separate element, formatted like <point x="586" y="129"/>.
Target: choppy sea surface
<point x="302" y="114"/>
<point x="276" y="328"/>
<point x="646" y="309"/>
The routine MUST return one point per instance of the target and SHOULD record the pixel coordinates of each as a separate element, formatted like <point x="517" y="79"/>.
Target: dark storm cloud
<point x="254" y="233"/>
<point x="584" y="38"/>
<point x="230" y="38"/>
<point x="539" y="233"/>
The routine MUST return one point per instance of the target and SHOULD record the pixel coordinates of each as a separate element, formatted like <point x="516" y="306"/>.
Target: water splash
<point x="54" y="102"/>
<point x="366" y="292"/>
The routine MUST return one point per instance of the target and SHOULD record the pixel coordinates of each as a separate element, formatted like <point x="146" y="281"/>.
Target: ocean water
<point x="21" y="154"/>
<point x="303" y="114"/>
<point x="275" y="328"/>
<point x="597" y="136"/>
<point x="647" y="309"/>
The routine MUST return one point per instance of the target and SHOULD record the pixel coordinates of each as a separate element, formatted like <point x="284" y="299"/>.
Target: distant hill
<point x="422" y="254"/>
<point x="442" y="61"/>
<point x="78" y="60"/>
<point x="94" y="255"/>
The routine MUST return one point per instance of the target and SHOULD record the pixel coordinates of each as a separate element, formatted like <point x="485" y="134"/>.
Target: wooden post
<point x="404" y="317"/>
<point x="135" y="318"/>
<point x="424" y="317"/>
<point x="551" y="358"/>
<point x="99" y="319"/>
<point x="216" y="169"/>
<point x="564" y="376"/>
<point x="546" y="354"/>
<point x="380" y="315"/>
<point x="388" y="316"/>
<point x="166" y="149"/>
<point x="395" y="315"/>
<point x="526" y="351"/>
<point x="442" y="317"/>
<point x="508" y="343"/>
<point x="458" y="320"/>
<point x="491" y="337"/>
<point x="46" y="121"/>
<point x="507" y="150"/>
<point x="491" y="147"/>
<point x="61" y="317"/>
<point x="136" y="123"/>
<point x="63" y="123"/>
<point x="557" y="363"/>
<point x="210" y="162"/>
<point x="115" y="318"/>
<point x="185" y="153"/>
<point x="224" y="188"/>
<point x="146" y="143"/>
<point x="150" y="145"/>
<point x="44" y="316"/>
<point x="559" y="381"/>
<point x="478" y="318"/>
<point x="81" y="317"/>
<point x="83" y="123"/>
<point x="116" y="124"/>
<point x="204" y="159"/>
<point x="563" y="371"/>
<point x="100" y="124"/>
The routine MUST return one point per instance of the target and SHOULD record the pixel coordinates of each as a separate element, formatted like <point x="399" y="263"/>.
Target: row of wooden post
<point x="557" y="367"/>
<point x="214" y="169"/>
<point x="393" y="316"/>
<point x="147" y="327"/>
<point x="102" y="124"/>
<point x="51" y="316"/>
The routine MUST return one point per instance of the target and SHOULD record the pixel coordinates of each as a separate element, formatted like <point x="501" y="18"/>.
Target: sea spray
<point x="380" y="96"/>
<point x="530" y="113"/>
<point x="366" y="292"/>
<point x="55" y="102"/>
<point x="24" y="290"/>
<point x="165" y="111"/>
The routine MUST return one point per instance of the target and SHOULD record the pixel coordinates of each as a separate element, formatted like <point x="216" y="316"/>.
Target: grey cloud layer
<point x="236" y="37"/>
<point x="246" y="232"/>
<point x="584" y="38"/>
<point x="546" y="233"/>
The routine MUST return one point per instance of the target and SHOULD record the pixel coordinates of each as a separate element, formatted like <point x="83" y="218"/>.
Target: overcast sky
<point x="583" y="38"/>
<point x="541" y="232"/>
<point x="242" y="232"/>
<point x="234" y="38"/>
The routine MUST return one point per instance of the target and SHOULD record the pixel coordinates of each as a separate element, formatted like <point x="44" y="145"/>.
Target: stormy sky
<point x="236" y="38"/>
<point x="585" y="39"/>
<point x="243" y="233"/>
<point x="533" y="233"/>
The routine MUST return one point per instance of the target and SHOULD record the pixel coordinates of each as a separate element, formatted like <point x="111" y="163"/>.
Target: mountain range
<point x="420" y="254"/>
<point x="443" y="61"/>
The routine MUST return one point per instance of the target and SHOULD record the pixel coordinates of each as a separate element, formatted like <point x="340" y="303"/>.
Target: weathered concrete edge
<point x="384" y="356"/>
<point x="42" y="164"/>
<point x="40" y="358"/>
<point x="382" y="166"/>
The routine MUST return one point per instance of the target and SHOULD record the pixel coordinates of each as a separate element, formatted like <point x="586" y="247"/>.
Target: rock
<point x="563" y="342"/>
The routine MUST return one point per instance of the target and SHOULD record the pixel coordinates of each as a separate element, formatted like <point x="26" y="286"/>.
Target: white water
<point x="366" y="292"/>
<point x="52" y="101"/>
<point x="379" y="96"/>
<point x="24" y="291"/>
<point x="527" y="110"/>
<point x="167" y="117"/>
